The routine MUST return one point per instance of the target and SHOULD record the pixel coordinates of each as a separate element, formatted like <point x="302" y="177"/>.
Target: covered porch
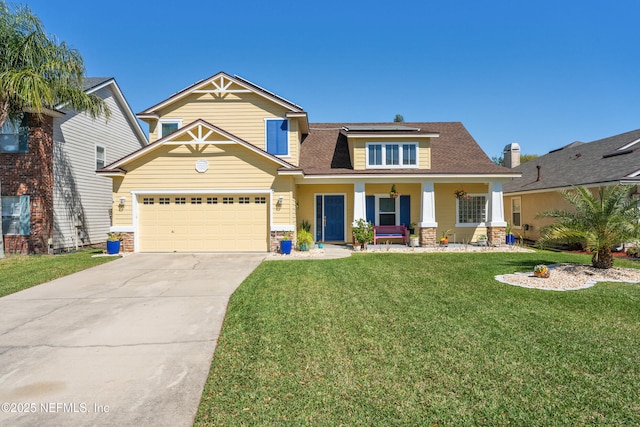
<point x="461" y="209"/>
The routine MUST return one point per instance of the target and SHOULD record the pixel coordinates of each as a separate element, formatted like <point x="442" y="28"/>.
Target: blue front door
<point x="330" y="218"/>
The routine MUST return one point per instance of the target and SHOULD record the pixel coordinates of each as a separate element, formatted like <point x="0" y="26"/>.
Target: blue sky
<point x="541" y="73"/>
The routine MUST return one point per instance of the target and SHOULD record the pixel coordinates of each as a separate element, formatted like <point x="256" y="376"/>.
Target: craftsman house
<point x="233" y="167"/>
<point x="52" y="199"/>
<point x="607" y="161"/>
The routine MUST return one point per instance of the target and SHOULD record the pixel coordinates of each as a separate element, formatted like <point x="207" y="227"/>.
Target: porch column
<point x="428" y="207"/>
<point x="428" y="224"/>
<point x="495" y="216"/>
<point x="359" y="201"/>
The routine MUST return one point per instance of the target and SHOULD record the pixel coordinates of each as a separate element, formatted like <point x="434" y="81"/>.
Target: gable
<point x="220" y="86"/>
<point x="197" y="136"/>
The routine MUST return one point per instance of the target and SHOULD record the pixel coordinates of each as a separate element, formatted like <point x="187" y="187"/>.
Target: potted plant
<point x="362" y="232"/>
<point x="414" y="240"/>
<point x="444" y="240"/>
<point x="541" y="270"/>
<point x="482" y="240"/>
<point x="412" y="228"/>
<point x="113" y="243"/>
<point x="305" y="239"/>
<point x="461" y="194"/>
<point x="320" y="244"/>
<point x="509" y="238"/>
<point x="285" y="243"/>
<point x="393" y="193"/>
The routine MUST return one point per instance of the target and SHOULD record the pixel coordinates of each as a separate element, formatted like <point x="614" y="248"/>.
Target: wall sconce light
<point x="122" y="200"/>
<point x="280" y="200"/>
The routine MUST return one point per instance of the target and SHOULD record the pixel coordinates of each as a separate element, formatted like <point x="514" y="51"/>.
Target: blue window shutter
<point x="278" y="137"/>
<point x="405" y="210"/>
<point x="371" y="209"/>
<point x="25" y="216"/>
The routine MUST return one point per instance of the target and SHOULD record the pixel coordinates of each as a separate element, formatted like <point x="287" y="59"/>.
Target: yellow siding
<point x="445" y="201"/>
<point x="241" y="114"/>
<point x="358" y="152"/>
<point x="531" y="206"/>
<point x="173" y="168"/>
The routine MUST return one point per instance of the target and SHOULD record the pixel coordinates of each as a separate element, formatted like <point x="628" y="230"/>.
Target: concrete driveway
<point x="128" y="343"/>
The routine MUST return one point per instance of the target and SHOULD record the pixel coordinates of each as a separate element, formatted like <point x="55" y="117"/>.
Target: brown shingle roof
<point x="325" y="151"/>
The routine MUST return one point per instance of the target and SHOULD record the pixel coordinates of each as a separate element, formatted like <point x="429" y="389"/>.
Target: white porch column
<point x="359" y="201"/>
<point x="495" y="217"/>
<point x="428" y="206"/>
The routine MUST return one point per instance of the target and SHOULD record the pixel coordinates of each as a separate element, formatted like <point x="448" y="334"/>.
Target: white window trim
<point x="384" y="157"/>
<point x="520" y="203"/>
<point x="377" y="208"/>
<point x="288" y="140"/>
<point x="473" y="224"/>
<point x="167" y="121"/>
<point x="104" y="151"/>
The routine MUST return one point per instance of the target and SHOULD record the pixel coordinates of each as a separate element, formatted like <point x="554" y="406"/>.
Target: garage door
<point x="203" y="223"/>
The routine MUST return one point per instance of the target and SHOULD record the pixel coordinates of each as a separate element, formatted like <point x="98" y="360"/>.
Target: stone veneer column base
<point x="126" y="244"/>
<point x="428" y="236"/>
<point x="496" y="236"/>
<point x="277" y="236"/>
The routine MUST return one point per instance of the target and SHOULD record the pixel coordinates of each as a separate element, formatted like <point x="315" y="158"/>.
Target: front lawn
<point x="19" y="272"/>
<point x="424" y="339"/>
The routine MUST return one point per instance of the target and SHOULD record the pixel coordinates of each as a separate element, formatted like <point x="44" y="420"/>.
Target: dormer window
<point x="277" y="136"/>
<point x="392" y="155"/>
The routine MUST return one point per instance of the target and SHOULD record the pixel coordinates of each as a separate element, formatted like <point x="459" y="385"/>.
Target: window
<point x="386" y="211"/>
<point x="168" y="126"/>
<point x="100" y="157"/>
<point x="243" y="200"/>
<point x="180" y="201"/>
<point x="212" y="200"/>
<point x="392" y="155"/>
<point x="148" y="201"/>
<point x="16" y="215"/>
<point x="196" y="200"/>
<point x="164" y="200"/>
<point x="260" y="200"/>
<point x="227" y="200"/>
<point x="14" y="136"/>
<point x="515" y="212"/>
<point x="472" y="210"/>
<point x="277" y="136"/>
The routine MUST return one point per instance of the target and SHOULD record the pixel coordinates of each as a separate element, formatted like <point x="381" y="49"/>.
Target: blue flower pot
<point x="113" y="247"/>
<point x="511" y="239"/>
<point x="285" y="246"/>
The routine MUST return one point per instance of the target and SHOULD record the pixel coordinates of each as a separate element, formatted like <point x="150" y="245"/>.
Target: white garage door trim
<point x="136" y="193"/>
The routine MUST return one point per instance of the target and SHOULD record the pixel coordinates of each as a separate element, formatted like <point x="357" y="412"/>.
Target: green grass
<point x="21" y="272"/>
<point x="424" y="339"/>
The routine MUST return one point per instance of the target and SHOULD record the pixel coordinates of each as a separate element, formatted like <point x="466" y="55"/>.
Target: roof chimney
<point x="539" y="177"/>
<point x="512" y="155"/>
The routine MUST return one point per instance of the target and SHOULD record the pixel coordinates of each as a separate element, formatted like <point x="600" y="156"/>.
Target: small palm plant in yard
<point x="599" y="222"/>
<point x="423" y="339"/>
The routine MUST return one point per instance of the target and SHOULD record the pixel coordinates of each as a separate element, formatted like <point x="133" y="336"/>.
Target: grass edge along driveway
<point x="18" y="272"/>
<point x="425" y="339"/>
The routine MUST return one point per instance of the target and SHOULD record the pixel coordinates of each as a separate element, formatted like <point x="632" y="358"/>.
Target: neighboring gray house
<point x="52" y="199"/>
<point x="613" y="160"/>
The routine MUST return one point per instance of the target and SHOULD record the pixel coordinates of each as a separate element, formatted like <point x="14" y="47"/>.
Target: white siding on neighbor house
<point x="82" y="200"/>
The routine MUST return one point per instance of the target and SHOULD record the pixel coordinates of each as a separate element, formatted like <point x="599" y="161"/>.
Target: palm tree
<point x="37" y="72"/>
<point x="598" y="222"/>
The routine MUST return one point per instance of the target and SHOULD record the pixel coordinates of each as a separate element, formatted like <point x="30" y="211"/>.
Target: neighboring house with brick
<point x="233" y="167"/>
<point x="608" y="161"/>
<point x="52" y="199"/>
